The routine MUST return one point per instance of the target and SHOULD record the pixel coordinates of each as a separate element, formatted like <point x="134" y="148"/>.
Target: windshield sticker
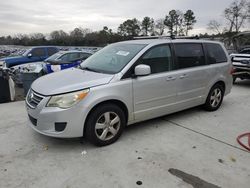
<point x="123" y="53"/>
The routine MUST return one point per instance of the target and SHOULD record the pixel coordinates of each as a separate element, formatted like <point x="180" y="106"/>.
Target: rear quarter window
<point x="215" y="53"/>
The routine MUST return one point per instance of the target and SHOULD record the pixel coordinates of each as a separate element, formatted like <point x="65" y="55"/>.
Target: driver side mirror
<point x="142" y="70"/>
<point x="29" y="55"/>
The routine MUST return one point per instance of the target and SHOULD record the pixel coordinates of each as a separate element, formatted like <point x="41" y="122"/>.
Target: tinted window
<point x="70" y="57"/>
<point x="215" y="53"/>
<point x="189" y="55"/>
<point x="73" y="56"/>
<point x="55" y="56"/>
<point x="158" y="58"/>
<point x="51" y="51"/>
<point x="38" y="52"/>
<point x="245" y="51"/>
<point x="84" y="55"/>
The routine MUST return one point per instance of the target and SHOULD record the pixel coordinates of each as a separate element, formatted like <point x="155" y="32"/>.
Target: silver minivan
<point x="129" y="82"/>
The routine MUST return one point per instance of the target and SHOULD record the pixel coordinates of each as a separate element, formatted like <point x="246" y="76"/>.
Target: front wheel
<point x="214" y="98"/>
<point x="105" y="124"/>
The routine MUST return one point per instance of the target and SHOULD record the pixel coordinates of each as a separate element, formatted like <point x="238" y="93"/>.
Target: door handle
<point x="169" y="78"/>
<point x="183" y="76"/>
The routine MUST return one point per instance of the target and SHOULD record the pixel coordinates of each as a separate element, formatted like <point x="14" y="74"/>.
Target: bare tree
<point x="159" y="27"/>
<point x="237" y="14"/>
<point x="214" y="26"/>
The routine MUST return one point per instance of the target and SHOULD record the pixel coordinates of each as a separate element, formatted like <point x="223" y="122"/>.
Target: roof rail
<point x="155" y="37"/>
<point x="186" y="37"/>
<point x="167" y="36"/>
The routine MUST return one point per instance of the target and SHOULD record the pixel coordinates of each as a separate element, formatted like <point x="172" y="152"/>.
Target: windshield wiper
<point x="89" y="69"/>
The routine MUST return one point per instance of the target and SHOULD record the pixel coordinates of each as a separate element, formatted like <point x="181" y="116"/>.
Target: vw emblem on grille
<point x="31" y="95"/>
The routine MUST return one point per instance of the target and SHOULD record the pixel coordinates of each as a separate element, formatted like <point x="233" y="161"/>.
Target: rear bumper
<point x="242" y="71"/>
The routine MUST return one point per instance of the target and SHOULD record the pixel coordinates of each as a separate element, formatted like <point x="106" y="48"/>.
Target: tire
<point x="100" y="130"/>
<point x="214" y="98"/>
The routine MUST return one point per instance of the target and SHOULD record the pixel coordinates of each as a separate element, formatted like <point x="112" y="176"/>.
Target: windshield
<point x="54" y="57"/>
<point x="113" y="58"/>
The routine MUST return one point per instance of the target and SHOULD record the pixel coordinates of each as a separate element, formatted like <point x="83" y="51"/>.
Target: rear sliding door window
<point x="215" y="53"/>
<point x="189" y="55"/>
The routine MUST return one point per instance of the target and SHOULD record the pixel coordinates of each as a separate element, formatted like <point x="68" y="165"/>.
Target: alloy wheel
<point x="216" y="97"/>
<point x="107" y="126"/>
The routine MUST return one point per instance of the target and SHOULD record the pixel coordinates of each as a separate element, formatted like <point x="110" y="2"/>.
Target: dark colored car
<point x="65" y="59"/>
<point x="34" y="54"/>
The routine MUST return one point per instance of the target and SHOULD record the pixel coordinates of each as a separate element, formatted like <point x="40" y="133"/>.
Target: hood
<point x="69" y="80"/>
<point x="240" y="55"/>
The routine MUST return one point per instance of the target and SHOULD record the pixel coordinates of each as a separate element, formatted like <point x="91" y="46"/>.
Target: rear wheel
<point x="214" y="98"/>
<point x="105" y="124"/>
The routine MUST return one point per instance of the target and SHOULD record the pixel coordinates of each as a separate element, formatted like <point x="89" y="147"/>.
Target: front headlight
<point x="2" y="64"/>
<point x="67" y="100"/>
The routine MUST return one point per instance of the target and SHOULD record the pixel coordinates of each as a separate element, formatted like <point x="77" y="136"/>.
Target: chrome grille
<point x="33" y="99"/>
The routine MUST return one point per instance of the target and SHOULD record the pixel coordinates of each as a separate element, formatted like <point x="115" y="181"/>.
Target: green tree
<point x="147" y="26"/>
<point x="59" y="37"/>
<point x="37" y="39"/>
<point x="188" y="21"/>
<point x="130" y="27"/>
<point x="172" y="21"/>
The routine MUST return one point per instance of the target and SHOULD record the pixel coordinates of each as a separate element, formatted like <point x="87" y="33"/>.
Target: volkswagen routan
<point x="129" y="82"/>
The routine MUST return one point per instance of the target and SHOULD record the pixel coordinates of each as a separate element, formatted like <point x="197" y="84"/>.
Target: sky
<point x="31" y="16"/>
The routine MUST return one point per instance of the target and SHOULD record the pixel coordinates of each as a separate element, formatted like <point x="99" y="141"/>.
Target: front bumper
<point x="241" y="71"/>
<point x="56" y="122"/>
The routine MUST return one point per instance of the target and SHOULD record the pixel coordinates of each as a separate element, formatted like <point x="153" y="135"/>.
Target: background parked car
<point x="58" y="61"/>
<point x="241" y="63"/>
<point x="34" y="54"/>
<point x="245" y="51"/>
<point x="65" y="59"/>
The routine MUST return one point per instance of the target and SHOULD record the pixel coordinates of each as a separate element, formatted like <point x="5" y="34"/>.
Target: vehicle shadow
<point x="160" y="121"/>
<point x="131" y="131"/>
<point x="242" y="83"/>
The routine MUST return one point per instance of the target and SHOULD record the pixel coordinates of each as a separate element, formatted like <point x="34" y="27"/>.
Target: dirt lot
<point x="192" y="148"/>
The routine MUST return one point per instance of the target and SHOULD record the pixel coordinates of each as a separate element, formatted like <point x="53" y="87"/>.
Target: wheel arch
<point x="117" y="102"/>
<point x="220" y="82"/>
